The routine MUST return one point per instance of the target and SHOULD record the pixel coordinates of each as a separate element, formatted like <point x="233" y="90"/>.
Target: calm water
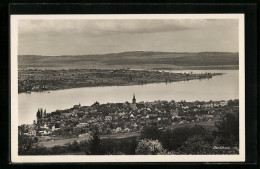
<point x="219" y="87"/>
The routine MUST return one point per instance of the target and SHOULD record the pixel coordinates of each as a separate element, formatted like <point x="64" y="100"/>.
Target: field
<point x="61" y="141"/>
<point x="208" y="124"/>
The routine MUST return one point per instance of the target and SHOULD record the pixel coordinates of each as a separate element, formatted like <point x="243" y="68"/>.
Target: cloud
<point x="64" y="37"/>
<point x="102" y="27"/>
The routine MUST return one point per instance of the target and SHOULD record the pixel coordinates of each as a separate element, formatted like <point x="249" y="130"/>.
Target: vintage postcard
<point x="127" y="88"/>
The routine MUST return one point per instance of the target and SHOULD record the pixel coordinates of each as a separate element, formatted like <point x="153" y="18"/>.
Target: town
<point x="114" y="118"/>
<point x="37" y="80"/>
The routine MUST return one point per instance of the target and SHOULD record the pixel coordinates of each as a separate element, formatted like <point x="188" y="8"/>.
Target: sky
<point x="86" y="37"/>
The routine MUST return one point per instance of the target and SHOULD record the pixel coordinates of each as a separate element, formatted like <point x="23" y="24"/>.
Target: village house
<point x="82" y="125"/>
<point x="208" y="105"/>
<point x="223" y="103"/>
<point x="118" y="130"/>
<point x="77" y="106"/>
<point x="108" y="118"/>
<point x="31" y="133"/>
<point x="217" y="104"/>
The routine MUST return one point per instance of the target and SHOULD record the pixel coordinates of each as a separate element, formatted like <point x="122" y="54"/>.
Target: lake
<point x="222" y="87"/>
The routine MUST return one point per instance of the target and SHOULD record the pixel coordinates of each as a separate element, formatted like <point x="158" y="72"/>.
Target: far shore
<point x="136" y="67"/>
<point x="231" y="67"/>
<point x="36" y="80"/>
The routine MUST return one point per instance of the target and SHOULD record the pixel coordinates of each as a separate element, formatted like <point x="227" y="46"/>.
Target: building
<point x="133" y="104"/>
<point x="77" y="106"/>
<point x="108" y="118"/>
<point x="223" y="103"/>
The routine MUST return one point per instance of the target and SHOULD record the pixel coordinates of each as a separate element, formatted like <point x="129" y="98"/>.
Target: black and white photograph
<point x="127" y="88"/>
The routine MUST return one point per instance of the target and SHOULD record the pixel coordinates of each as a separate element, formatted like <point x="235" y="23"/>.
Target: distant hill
<point x="134" y="59"/>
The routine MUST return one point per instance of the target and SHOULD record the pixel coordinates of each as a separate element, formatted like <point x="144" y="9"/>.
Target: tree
<point x="74" y="146"/>
<point x="23" y="128"/>
<point x="150" y="132"/>
<point x="35" y="139"/>
<point x="173" y="139"/>
<point x="196" y="145"/>
<point x="133" y="146"/>
<point x="149" y="147"/>
<point x="228" y="127"/>
<point x="95" y="144"/>
<point x="38" y="114"/>
<point x="108" y="146"/>
<point x="25" y="143"/>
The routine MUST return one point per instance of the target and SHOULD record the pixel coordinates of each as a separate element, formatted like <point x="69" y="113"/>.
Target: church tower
<point x="134" y="100"/>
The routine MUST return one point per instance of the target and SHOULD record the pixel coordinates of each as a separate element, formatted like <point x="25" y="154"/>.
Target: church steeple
<point x="134" y="100"/>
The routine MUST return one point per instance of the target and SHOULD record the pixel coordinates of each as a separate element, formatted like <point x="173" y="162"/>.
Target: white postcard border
<point x="15" y="158"/>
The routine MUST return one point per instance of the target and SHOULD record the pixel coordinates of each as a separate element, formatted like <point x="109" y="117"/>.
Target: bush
<point x="149" y="147"/>
<point x="172" y="140"/>
<point x="58" y="150"/>
<point x="118" y="146"/>
<point x="196" y="145"/>
<point x="39" y="150"/>
<point x="72" y="147"/>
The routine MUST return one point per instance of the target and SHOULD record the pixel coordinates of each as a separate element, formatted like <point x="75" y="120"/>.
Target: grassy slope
<point x="136" y="59"/>
<point x="61" y="141"/>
